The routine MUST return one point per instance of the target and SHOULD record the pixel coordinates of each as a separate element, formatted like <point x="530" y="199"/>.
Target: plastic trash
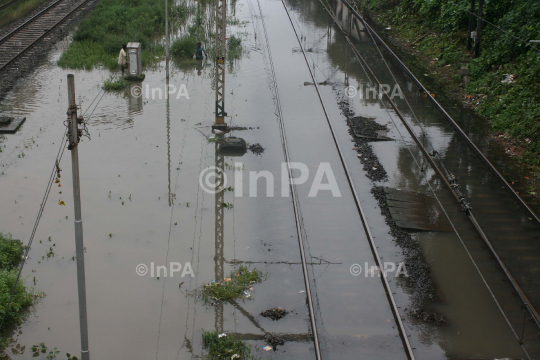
<point x="221" y="335"/>
<point x="267" y="348"/>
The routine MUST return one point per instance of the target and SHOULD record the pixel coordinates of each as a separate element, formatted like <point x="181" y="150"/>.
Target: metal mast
<point x="221" y="26"/>
<point x="218" y="258"/>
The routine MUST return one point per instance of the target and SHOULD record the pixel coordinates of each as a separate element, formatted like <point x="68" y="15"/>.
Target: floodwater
<point x="143" y="204"/>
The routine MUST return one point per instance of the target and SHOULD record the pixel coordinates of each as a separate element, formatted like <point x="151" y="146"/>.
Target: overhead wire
<point x="424" y="176"/>
<point x="56" y="170"/>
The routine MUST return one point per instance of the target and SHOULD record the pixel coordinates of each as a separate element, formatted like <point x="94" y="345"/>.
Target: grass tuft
<point x="115" y="83"/>
<point x="229" y="290"/>
<point x="225" y="346"/>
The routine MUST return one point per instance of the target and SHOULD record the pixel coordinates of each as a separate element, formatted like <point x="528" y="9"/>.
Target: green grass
<point x="512" y="108"/>
<point x="18" y="10"/>
<point x="240" y="281"/>
<point x="114" y="23"/>
<point x="234" y="48"/>
<point x="225" y="347"/>
<point x="11" y="252"/>
<point x="115" y="83"/>
<point x="184" y="47"/>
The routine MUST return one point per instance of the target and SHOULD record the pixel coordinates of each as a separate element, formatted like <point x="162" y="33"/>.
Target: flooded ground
<point x="143" y="204"/>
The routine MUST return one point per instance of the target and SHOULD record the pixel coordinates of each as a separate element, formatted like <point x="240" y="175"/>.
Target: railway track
<point x="20" y="43"/>
<point x="482" y="242"/>
<point x="500" y="236"/>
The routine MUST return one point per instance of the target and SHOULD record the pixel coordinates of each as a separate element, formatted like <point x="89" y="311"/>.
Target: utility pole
<point x="479" y="29"/>
<point x="167" y="32"/>
<point x="74" y="135"/>
<point x="221" y="45"/>
<point x="471" y="25"/>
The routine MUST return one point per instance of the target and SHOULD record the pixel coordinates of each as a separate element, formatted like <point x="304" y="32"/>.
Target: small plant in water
<point x="225" y="346"/>
<point x="232" y="288"/>
<point x="115" y="83"/>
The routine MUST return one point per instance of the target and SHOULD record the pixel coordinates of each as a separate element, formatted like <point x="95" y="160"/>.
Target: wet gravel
<point x="359" y="125"/>
<point x="275" y="313"/>
<point x="418" y="271"/>
<point x="257" y="149"/>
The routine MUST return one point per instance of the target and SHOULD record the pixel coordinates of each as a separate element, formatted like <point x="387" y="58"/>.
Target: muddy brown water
<point x="142" y="204"/>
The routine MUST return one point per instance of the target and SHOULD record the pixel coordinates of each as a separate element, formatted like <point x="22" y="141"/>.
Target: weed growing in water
<point x="115" y="83"/>
<point x="225" y="346"/>
<point x="232" y="288"/>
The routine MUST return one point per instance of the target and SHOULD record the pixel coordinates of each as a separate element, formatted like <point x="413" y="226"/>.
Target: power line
<point x="55" y="170"/>
<point x="36" y="224"/>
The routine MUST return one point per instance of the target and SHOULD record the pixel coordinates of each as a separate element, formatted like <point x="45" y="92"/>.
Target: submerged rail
<point x="294" y="199"/>
<point x="448" y="179"/>
<point x="377" y="257"/>
<point x="452" y="122"/>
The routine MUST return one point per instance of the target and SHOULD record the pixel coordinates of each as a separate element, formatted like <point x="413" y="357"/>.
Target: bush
<point x="184" y="47"/>
<point x="22" y="298"/>
<point x="11" y="252"/>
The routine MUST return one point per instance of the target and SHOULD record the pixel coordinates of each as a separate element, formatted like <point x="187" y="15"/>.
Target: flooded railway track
<point x="501" y="241"/>
<point x="20" y="43"/>
<point x="377" y="257"/>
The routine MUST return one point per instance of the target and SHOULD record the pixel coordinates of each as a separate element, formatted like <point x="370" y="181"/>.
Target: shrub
<point x="184" y="47"/>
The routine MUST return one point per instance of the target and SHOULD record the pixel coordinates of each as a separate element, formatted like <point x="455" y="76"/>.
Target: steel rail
<point x="46" y="33"/>
<point x="388" y="290"/>
<point x="452" y="186"/>
<point x="452" y="122"/>
<point x="294" y="199"/>
<point x="27" y="22"/>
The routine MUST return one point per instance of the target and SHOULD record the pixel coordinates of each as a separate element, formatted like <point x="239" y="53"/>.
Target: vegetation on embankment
<point x="11" y="252"/>
<point x="114" y="23"/>
<point x="17" y="10"/>
<point x="436" y="31"/>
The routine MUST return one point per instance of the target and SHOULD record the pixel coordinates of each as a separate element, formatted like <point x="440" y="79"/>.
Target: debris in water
<point x="274" y="341"/>
<point x="257" y="149"/>
<point x="275" y="313"/>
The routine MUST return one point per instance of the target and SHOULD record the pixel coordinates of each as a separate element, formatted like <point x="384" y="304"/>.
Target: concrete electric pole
<point x="74" y="135"/>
